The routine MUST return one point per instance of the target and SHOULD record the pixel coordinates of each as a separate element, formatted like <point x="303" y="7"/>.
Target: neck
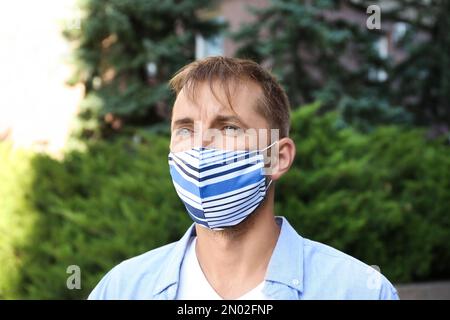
<point x="235" y="261"/>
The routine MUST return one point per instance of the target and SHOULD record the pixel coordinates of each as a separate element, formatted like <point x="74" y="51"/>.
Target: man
<point x="224" y="161"/>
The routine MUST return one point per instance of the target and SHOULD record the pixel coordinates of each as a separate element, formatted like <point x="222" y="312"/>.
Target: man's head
<point x="232" y="104"/>
<point x="229" y="103"/>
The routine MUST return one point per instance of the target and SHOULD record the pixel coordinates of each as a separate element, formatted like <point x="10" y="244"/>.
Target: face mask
<point x="219" y="188"/>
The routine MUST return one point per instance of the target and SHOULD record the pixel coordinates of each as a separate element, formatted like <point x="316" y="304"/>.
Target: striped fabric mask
<point x="219" y="188"/>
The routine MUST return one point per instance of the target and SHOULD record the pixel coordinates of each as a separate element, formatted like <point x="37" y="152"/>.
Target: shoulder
<point x="133" y="277"/>
<point x="333" y="274"/>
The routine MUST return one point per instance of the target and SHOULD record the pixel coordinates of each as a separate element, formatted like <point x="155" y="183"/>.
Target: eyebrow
<point x="183" y="121"/>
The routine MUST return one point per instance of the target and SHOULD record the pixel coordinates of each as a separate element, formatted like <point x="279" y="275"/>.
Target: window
<point x="211" y="46"/>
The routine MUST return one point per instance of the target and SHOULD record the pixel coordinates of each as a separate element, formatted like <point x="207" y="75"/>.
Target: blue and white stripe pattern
<point x="219" y="188"/>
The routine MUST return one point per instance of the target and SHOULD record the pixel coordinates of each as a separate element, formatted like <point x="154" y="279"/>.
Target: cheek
<point x="226" y="142"/>
<point x="242" y="141"/>
<point x="180" y="143"/>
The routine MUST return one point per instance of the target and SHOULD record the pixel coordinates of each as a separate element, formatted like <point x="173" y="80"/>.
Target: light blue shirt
<point x="298" y="269"/>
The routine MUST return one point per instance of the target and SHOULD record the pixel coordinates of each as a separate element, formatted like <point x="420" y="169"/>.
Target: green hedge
<point x="383" y="197"/>
<point x="16" y="216"/>
<point x="95" y="209"/>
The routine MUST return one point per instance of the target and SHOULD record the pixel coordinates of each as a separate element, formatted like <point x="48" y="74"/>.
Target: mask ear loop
<point x="268" y="185"/>
<point x="269" y="146"/>
<point x="261" y="150"/>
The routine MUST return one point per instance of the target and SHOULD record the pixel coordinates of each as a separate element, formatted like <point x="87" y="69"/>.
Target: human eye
<point x="231" y="130"/>
<point x="183" y="131"/>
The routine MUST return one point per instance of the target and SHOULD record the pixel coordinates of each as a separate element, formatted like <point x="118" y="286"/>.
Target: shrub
<point x="96" y="209"/>
<point x="382" y="197"/>
<point x="16" y="216"/>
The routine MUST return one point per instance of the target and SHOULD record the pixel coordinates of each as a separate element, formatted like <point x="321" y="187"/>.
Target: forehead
<point x="205" y="100"/>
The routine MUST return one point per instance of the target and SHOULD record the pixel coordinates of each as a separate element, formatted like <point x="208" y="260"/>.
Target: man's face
<point x="208" y="122"/>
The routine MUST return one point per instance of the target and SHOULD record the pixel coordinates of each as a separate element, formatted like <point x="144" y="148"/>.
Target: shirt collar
<point x="285" y="265"/>
<point x="171" y="272"/>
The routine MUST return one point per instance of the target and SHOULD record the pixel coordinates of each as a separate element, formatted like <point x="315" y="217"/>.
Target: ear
<point x="284" y="159"/>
